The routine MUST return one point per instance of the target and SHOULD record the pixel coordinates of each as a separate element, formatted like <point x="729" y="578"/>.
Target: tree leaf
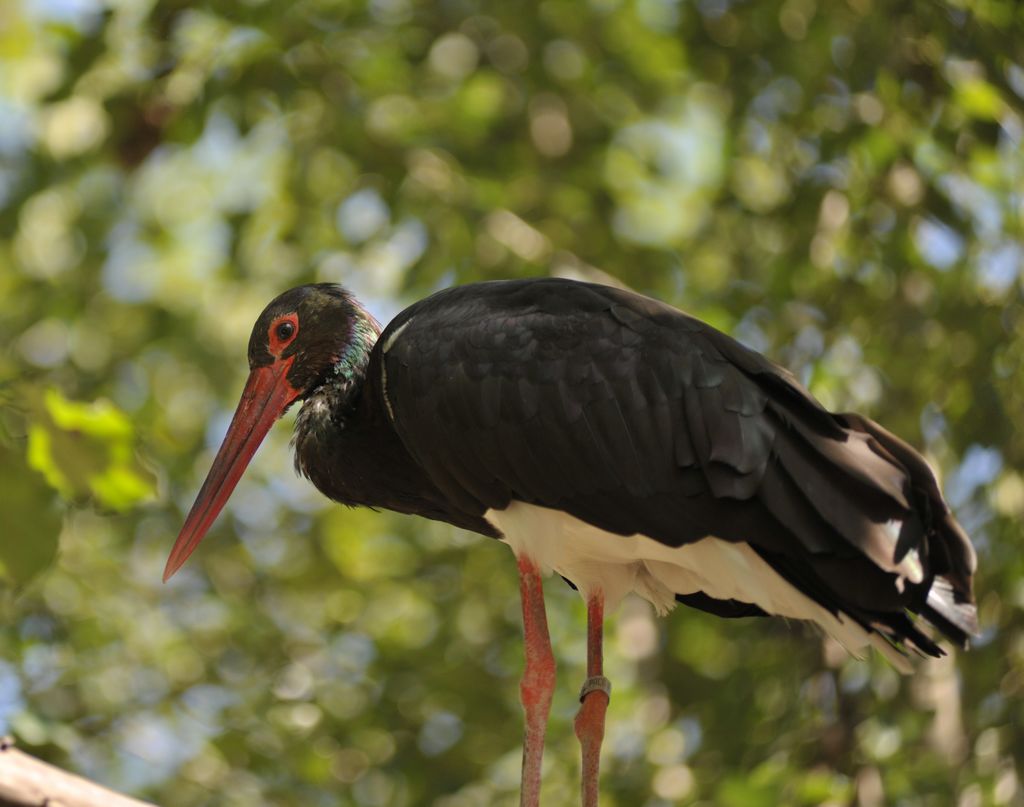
<point x="87" y="451"/>
<point x="979" y="99"/>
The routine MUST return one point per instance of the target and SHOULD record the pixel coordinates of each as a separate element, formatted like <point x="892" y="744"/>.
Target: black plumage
<point x="636" y="418"/>
<point x="617" y="410"/>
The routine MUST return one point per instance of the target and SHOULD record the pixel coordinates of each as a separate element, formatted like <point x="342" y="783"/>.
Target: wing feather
<point x="636" y="418"/>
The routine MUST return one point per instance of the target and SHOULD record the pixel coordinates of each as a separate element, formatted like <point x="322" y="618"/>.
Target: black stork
<point x="618" y="442"/>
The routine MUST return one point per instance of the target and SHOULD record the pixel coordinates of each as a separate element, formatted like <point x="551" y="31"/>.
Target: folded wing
<point x="637" y="418"/>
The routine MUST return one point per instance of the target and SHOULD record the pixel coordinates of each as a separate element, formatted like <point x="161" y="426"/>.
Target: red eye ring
<point x="281" y="333"/>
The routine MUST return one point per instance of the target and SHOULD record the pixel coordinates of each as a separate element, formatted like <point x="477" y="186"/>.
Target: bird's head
<point x="301" y="339"/>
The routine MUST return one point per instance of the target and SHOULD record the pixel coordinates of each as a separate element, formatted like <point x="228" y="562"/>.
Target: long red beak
<point x="266" y="396"/>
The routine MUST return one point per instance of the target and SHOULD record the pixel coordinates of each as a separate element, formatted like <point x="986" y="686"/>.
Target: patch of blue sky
<point x="351" y="655"/>
<point x="975" y="202"/>
<point x="439" y="732"/>
<point x="129" y="272"/>
<point x="152" y="747"/>
<point x="979" y="467"/>
<point x="362" y="215"/>
<point x="999" y="268"/>
<point x="938" y="244"/>
<point x="11" y="701"/>
<point x="17" y="128"/>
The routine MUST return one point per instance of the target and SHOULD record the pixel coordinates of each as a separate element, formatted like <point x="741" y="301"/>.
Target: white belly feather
<point x="617" y="565"/>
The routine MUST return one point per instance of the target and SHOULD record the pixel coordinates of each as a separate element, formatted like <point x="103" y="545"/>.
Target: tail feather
<point x="956" y="618"/>
<point x="949" y="549"/>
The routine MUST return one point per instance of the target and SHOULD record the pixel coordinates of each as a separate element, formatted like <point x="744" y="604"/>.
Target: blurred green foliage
<point x="86" y="451"/>
<point x="32" y="521"/>
<point x="839" y="185"/>
<point x="81" y="453"/>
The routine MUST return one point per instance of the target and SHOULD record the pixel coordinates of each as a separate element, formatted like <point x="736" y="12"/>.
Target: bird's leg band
<point x="596" y="683"/>
<point x="594" y="697"/>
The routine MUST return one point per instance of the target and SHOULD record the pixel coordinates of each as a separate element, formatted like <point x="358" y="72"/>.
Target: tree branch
<point x="28" y="782"/>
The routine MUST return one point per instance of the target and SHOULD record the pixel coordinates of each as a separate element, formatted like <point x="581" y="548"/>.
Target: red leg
<point x="594" y="697"/>
<point x="538" y="684"/>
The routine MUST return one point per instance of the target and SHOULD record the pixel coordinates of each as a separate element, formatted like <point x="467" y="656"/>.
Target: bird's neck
<point x="340" y="389"/>
<point x="351" y="365"/>
<point x="331" y="408"/>
<point x="346" y="445"/>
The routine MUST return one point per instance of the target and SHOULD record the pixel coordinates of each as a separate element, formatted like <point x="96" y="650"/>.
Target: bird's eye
<point x="281" y="333"/>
